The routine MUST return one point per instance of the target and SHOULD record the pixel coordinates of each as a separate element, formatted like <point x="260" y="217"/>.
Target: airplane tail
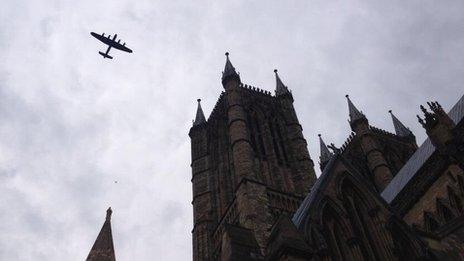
<point x="105" y="55"/>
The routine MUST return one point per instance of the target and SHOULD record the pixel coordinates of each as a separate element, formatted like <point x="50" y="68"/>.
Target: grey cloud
<point x="73" y="123"/>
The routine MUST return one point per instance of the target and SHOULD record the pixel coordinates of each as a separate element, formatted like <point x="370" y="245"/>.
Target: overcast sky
<point x="72" y="123"/>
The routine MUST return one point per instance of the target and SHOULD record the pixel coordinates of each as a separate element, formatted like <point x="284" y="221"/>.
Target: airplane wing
<point x="102" y="38"/>
<point x="121" y="47"/>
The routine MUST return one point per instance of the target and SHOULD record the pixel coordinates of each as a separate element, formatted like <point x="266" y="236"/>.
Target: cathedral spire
<point x="400" y="129"/>
<point x="229" y="72"/>
<point x="325" y="153"/>
<point x="355" y="114"/>
<point x="200" y="117"/>
<point x="103" y="248"/>
<point x="280" y="87"/>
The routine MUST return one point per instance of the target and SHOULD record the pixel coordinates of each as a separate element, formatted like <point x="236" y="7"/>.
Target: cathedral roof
<point x="103" y="248"/>
<point x="400" y="129"/>
<point x="280" y="86"/>
<point x="418" y="159"/>
<point x="200" y="117"/>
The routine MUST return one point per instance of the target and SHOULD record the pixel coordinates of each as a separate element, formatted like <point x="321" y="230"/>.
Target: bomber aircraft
<point x="111" y="43"/>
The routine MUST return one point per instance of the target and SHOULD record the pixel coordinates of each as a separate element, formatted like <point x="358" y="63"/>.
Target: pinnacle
<point x="200" y="116"/>
<point x="400" y="129"/>
<point x="280" y="86"/>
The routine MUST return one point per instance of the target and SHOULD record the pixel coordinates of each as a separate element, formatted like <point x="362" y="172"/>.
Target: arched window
<point x="275" y="141"/>
<point x="337" y="238"/>
<point x="461" y="184"/>
<point x="320" y="242"/>
<point x="455" y="201"/>
<point x="278" y="141"/>
<point x="281" y="142"/>
<point x="256" y="134"/>
<point x="445" y="212"/>
<point x="375" y="240"/>
<point x="406" y="247"/>
<point x="430" y="223"/>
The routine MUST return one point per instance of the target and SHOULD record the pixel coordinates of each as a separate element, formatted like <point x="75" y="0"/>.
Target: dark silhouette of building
<point x="103" y="248"/>
<point x="379" y="197"/>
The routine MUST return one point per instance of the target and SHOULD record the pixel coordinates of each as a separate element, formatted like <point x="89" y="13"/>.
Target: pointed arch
<point x="430" y="222"/>
<point x="406" y="246"/>
<point x="461" y="184"/>
<point x="445" y="212"/>
<point x="337" y="230"/>
<point x="455" y="201"/>
<point x="367" y="221"/>
<point x="255" y="119"/>
<point x="317" y="239"/>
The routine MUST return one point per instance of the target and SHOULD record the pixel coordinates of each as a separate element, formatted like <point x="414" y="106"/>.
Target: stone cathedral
<point x="380" y="196"/>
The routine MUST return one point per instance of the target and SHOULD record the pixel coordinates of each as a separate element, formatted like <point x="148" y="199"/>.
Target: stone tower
<point x="250" y="164"/>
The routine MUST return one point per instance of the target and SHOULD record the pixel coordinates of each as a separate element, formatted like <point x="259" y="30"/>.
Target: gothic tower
<point x="250" y="164"/>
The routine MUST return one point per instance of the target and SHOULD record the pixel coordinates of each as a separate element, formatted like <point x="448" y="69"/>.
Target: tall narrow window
<point x="281" y="142"/>
<point x="256" y="138"/>
<point x="252" y="135"/>
<point x="260" y="139"/>
<point x="461" y="184"/>
<point x="430" y="223"/>
<point x="446" y="213"/>
<point x="274" y="142"/>
<point x="454" y="200"/>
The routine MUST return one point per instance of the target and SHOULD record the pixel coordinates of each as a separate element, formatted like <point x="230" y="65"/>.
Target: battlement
<point x="249" y="88"/>
<point x="216" y="106"/>
<point x="255" y="89"/>
<point x="377" y="130"/>
<point x="347" y="142"/>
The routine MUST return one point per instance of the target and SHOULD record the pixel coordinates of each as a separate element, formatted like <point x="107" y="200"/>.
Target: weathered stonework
<point x="379" y="197"/>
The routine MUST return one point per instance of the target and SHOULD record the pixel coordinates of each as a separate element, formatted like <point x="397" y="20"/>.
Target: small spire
<point x="355" y="114"/>
<point x="400" y="129"/>
<point x="229" y="71"/>
<point x="103" y="248"/>
<point x="325" y="153"/>
<point x="280" y="87"/>
<point x="200" y="117"/>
